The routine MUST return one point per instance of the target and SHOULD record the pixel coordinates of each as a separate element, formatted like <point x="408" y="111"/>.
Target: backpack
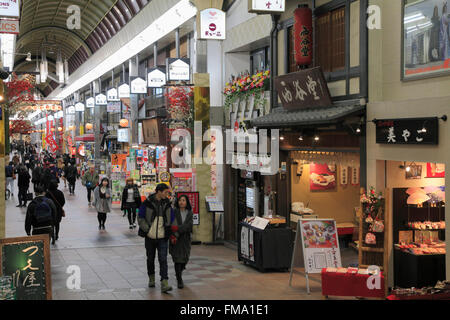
<point x="43" y="212"/>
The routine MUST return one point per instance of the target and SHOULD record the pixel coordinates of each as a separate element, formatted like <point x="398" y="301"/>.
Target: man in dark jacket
<point x="37" y="174"/>
<point x="40" y="221"/>
<point x="23" y="183"/>
<point x="70" y="172"/>
<point x="59" y="200"/>
<point x="155" y="226"/>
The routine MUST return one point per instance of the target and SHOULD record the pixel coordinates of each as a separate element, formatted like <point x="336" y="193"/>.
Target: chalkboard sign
<point x="27" y="261"/>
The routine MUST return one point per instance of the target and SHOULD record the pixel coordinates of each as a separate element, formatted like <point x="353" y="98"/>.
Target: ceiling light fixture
<point x="316" y="138"/>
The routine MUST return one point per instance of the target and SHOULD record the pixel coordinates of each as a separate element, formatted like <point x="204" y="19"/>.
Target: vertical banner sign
<point x="212" y="24"/>
<point x="303" y="33"/>
<point x="27" y="261"/>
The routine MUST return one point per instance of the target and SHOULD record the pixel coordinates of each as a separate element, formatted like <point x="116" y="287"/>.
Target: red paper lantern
<point x="89" y="126"/>
<point x="124" y="123"/>
<point x="303" y="33"/>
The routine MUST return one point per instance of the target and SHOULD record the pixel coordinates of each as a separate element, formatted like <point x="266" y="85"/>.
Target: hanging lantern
<point x="89" y="126"/>
<point x="60" y="129"/>
<point x="303" y="32"/>
<point x="124" y="123"/>
<point x="53" y="129"/>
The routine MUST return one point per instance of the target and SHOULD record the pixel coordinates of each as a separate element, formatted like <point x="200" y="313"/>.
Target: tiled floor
<point x="113" y="263"/>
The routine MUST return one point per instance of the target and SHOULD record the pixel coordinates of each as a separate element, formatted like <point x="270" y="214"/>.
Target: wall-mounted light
<point x="316" y="138"/>
<point x="358" y="130"/>
<point x="281" y="138"/>
<point x="300" y="138"/>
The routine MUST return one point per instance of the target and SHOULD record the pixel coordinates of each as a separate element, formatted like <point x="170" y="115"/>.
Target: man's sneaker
<point x="151" y="281"/>
<point x="165" y="286"/>
<point x="131" y="226"/>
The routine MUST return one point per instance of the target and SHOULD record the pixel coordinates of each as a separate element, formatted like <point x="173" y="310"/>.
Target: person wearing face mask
<point x="102" y="202"/>
<point x="131" y="200"/>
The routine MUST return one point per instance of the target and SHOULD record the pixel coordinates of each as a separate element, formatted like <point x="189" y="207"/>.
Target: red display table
<point x="349" y="285"/>
<point x="440" y="296"/>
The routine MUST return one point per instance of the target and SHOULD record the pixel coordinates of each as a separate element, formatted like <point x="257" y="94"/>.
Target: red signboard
<point x="194" y="199"/>
<point x="51" y="144"/>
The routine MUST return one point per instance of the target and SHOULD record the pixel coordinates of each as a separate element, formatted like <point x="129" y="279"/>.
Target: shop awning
<point x="88" y="137"/>
<point x="310" y="116"/>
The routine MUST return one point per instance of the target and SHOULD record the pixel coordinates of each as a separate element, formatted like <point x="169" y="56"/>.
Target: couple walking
<point x="166" y="229"/>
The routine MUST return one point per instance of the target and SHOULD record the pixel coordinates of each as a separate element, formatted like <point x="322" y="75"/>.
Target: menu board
<point x="27" y="261"/>
<point x="320" y="244"/>
<point x="194" y="199"/>
<point x="214" y="204"/>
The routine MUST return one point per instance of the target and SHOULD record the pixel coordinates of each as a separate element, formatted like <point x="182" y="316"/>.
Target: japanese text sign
<point x="194" y="199"/>
<point x="27" y="261"/>
<point x="303" y="89"/>
<point x="408" y="131"/>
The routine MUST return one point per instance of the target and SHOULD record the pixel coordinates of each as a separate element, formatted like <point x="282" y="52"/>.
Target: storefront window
<point x="259" y="60"/>
<point x="330" y="40"/>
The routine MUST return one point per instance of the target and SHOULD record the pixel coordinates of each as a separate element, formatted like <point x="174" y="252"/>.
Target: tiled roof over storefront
<point x="310" y="116"/>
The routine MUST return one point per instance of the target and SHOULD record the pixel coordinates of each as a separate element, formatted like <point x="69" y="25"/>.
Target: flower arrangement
<point x="371" y="201"/>
<point x="245" y="86"/>
<point x="180" y="104"/>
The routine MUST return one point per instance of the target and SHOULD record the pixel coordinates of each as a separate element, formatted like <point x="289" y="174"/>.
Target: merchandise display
<point x="427" y="225"/>
<point x="7" y="290"/>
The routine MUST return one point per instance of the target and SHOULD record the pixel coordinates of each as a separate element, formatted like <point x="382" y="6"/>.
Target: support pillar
<point x="134" y="103"/>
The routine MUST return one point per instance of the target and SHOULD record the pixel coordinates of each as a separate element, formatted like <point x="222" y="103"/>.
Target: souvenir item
<point x="370" y="238"/>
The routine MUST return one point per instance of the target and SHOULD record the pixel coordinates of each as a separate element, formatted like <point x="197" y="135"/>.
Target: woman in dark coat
<point x="58" y="198"/>
<point x="131" y="200"/>
<point x="180" y="240"/>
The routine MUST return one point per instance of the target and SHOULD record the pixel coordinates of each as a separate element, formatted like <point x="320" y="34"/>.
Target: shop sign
<point x="9" y="26"/>
<point x="212" y="24"/>
<point x="79" y="107"/>
<point x="122" y="135"/>
<point x="113" y="107"/>
<point x="124" y="90"/>
<point x="153" y="131"/>
<point x="90" y="102"/>
<point x="27" y="261"/>
<point x="156" y="78"/>
<point x="178" y="69"/>
<point x="10" y="8"/>
<point x="70" y="110"/>
<point x="138" y="85"/>
<point x="82" y="150"/>
<point x="407" y="131"/>
<point x="266" y="6"/>
<point x="112" y="95"/>
<point x="100" y="100"/>
<point x="303" y="89"/>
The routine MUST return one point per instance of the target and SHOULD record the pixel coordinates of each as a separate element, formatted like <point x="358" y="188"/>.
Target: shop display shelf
<point x="370" y="249"/>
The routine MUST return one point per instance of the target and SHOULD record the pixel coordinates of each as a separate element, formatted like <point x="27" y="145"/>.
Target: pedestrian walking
<point x="131" y="200"/>
<point x="180" y="240"/>
<point x="10" y="177"/>
<point x="36" y="174"/>
<point x="59" y="200"/>
<point x="102" y="202"/>
<point x="23" y="182"/>
<point x="90" y="181"/>
<point x="41" y="215"/>
<point x="154" y="225"/>
<point x="70" y="172"/>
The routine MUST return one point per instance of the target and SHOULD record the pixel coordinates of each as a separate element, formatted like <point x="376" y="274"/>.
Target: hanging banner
<point x="124" y="90"/>
<point x="156" y="78"/>
<point x="212" y="24"/>
<point x="100" y="100"/>
<point x="90" y="102"/>
<point x="343" y="175"/>
<point x="53" y="147"/>
<point x="138" y="85"/>
<point x="303" y="36"/>
<point x="112" y="95"/>
<point x="178" y="69"/>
